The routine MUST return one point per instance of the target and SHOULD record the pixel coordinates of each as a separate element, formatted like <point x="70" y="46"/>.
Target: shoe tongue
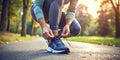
<point x="56" y="38"/>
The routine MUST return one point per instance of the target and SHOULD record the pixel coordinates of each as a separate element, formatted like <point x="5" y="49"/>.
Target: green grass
<point x="97" y="40"/>
<point x="11" y="37"/>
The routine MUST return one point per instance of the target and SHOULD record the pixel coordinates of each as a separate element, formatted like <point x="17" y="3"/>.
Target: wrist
<point x="68" y="22"/>
<point x="68" y="25"/>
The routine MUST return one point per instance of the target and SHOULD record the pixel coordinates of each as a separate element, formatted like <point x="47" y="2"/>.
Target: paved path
<point x="35" y="50"/>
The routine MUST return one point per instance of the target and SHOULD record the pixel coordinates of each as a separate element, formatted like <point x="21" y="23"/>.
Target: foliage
<point x="92" y="29"/>
<point x="115" y="7"/>
<point x="108" y="18"/>
<point x="15" y="9"/>
<point x="39" y="32"/>
<point x="83" y="17"/>
<point x="104" y="26"/>
<point x="15" y="14"/>
<point x="36" y="28"/>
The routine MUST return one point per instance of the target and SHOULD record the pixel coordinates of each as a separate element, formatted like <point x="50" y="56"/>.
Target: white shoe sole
<point x="54" y="51"/>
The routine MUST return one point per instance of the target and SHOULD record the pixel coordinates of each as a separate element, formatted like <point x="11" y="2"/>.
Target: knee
<point x="76" y="29"/>
<point x="60" y="2"/>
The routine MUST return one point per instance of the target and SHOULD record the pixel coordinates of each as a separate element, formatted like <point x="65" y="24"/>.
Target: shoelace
<point x="66" y="41"/>
<point x="58" y="41"/>
<point x="60" y="36"/>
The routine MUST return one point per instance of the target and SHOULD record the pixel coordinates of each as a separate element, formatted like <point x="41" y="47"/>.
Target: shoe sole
<point x="58" y="51"/>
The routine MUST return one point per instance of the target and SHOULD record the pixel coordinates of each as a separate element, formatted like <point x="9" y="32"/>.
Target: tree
<point x="14" y="6"/>
<point x="15" y="13"/>
<point x="4" y="15"/>
<point x="0" y="8"/>
<point x="116" y="7"/>
<point x="25" y="8"/>
<point x="83" y="17"/>
<point x="8" y="23"/>
<point x="103" y="21"/>
<point x="32" y="27"/>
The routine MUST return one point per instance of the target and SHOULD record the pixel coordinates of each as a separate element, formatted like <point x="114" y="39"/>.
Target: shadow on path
<point x="28" y="55"/>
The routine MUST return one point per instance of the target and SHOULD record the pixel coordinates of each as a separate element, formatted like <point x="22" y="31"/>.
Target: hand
<point x="66" y="31"/>
<point x="47" y="33"/>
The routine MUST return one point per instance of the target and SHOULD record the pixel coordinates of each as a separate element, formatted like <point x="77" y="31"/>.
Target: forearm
<point x="68" y="22"/>
<point x="46" y="31"/>
<point x="42" y="23"/>
<point x="70" y="16"/>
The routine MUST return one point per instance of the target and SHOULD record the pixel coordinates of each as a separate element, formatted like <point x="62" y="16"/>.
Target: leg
<point x="75" y="27"/>
<point x="52" y="13"/>
<point x="55" y="15"/>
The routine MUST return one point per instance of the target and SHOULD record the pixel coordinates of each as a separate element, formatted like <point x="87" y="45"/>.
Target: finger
<point x="44" y="36"/>
<point x="51" y="34"/>
<point x="47" y="35"/>
<point x="63" y="32"/>
<point x="66" y="33"/>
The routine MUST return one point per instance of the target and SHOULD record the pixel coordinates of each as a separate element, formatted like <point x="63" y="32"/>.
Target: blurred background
<point x="97" y="18"/>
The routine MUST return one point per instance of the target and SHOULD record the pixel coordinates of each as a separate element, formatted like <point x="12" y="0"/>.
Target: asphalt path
<point x="36" y="50"/>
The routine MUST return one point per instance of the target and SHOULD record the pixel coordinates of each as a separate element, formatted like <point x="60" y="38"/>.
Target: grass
<point x="110" y="41"/>
<point x="11" y="37"/>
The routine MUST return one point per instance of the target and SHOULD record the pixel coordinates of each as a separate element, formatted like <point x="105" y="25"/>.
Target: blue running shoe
<point x="56" y="46"/>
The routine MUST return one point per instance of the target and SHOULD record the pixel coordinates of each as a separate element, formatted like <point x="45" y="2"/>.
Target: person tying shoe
<point x="49" y="12"/>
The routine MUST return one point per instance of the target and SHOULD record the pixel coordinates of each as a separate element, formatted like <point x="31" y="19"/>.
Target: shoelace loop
<point x="58" y="41"/>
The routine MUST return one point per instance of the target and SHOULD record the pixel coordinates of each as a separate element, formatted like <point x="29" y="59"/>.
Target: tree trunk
<point x="116" y="10"/>
<point x="23" y="32"/>
<point x="25" y="7"/>
<point x="8" y="25"/>
<point x="32" y="27"/>
<point x="4" y="16"/>
<point x="117" y="22"/>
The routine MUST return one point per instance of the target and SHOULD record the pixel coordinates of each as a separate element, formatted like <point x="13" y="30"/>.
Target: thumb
<point x="51" y="34"/>
<point x="63" y="32"/>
